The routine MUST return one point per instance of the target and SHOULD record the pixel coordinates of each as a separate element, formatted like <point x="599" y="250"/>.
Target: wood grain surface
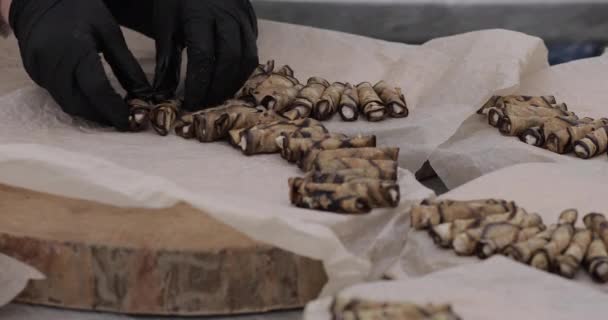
<point x="175" y="261"/>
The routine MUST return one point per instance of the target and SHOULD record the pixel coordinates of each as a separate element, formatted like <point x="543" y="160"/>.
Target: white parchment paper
<point x="497" y="289"/>
<point x="45" y="150"/>
<point x="14" y="276"/>
<point x="477" y="148"/>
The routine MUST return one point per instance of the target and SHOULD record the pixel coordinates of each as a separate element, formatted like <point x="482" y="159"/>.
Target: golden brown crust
<point x="357" y="309"/>
<point x="306" y="99"/>
<point x="139" y="117"/>
<point x="371" y="105"/>
<point x="393" y="99"/>
<point x="316" y="158"/>
<point x="216" y="123"/>
<point x="349" y="104"/>
<point x="263" y="138"/>
<point x="570" y="262"/>
<point x="431" y="214"/>
<point x="327" y="105"/>
<point x="593" y="144"/>
<point x="562" y="141"/>
<point x="296" y="149"/>
<point x="386" y="167"/>
<point x="164" y="115"/>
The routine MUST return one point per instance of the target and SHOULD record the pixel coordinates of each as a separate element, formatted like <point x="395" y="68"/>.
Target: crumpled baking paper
<point x="43" y="149"/>
<point x="498" y="289"/>
<point x="14" y="276"/>
<point x="477" y="148"/>
<point x="545" y="188"/>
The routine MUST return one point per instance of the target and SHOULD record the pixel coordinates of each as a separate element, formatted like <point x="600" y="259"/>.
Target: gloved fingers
<point x="253" y="18"/>
<point x="227" y="76"/>
<point x="169" y="48"/>
<point x="79" y="106"/>
<point x="199" y="33"/>
<point x="124" y="65"/>
<point x="94" y="85"/>
<point x="168" y="69"/>
<point x="71" y="100"/>
<point x="250" y="52"/>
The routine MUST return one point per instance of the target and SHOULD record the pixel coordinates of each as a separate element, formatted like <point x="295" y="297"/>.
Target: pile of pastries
<point x="543" y="122"/>
<point x="489" y="227"/>
<point x="274" y="114"/>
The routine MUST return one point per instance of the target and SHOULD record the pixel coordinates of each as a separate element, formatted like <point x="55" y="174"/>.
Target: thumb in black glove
<point x="60" y="41"/>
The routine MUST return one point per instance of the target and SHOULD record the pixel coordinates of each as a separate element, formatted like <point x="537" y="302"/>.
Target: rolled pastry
<point x="424" y="216"/>
<point x="537" y="136"/>
<point x="593" y="144"/>
<point x="492" y="243"/>
<point x="514" y="125"/>
<point x="375" y="193"/>
<point x="278" y="90"/>
<point x="501" y="101"/>
<point x="358" y="309"/>
<point x="569" y="263"/>
<point x="522" y="251"/>
<point x="349" y="103"/>
<point x="164" y="115"/>
<point x="139" y="114"/>
<point x="597" y="223"/>
<point x="347" y="175"/>
<point x="491" y="239"/>
<point x="568" y="217"/>
<point x="528" y="233"/>
<point x="316" y="159"/>
<point x="393" y="99"/>
<point x="597" y="260"/>
<point x="371" y="105"/>
<point x="487" y="240"/>
<point x="562" y="141"/>
<point x="525" y="110"/>
<point x="491" y="103"/>
<point x="533" y="136"/>
<point x="444" y="234"/>
<point x="495" y="117"/>
<point x="263" y="138"/>
<point x="295" y="149"/>
<point x="277" y="98"/>
<point x="494" y="233"/>
<point x="184" y="126"/>
<point x="287" y="71"/>
<point x="387" y="168"/>
<point x="544" y="258"/>
<point x="215" y="123"/>
<point x="327" y="197"/>
<point x="306" y="99"/>
<point x="259" y="75"/>
<point x="533" y="101"/>
<point x="327" y="105"/>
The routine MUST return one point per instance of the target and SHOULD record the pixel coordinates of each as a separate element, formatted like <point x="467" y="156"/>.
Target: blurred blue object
<point x="564" y="52"/>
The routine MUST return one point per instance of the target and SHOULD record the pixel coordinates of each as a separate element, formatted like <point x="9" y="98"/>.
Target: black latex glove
<point x="220" y="37"/>
<point x="60" y="41"/>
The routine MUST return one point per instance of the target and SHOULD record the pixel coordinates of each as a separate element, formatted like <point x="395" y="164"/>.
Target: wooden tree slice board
<point x="175" y="261"/>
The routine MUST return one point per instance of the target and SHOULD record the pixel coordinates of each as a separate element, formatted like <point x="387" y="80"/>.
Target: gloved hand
<point x="60" y="41"/>
<point x="220" y="37"/>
